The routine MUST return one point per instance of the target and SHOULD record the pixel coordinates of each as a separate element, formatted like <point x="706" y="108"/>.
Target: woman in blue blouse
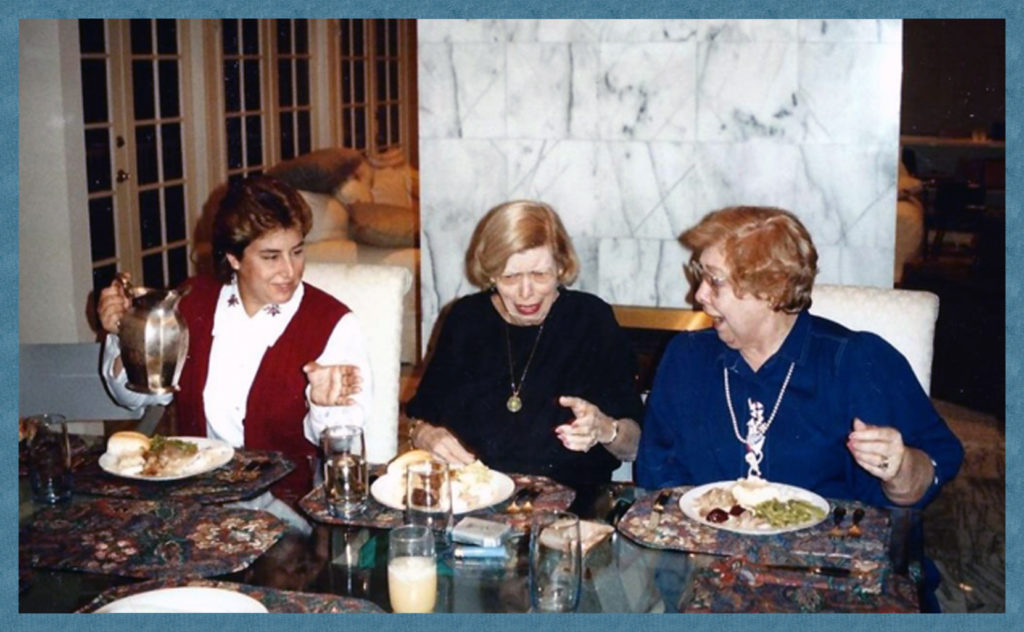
<point x="773" y="391"/>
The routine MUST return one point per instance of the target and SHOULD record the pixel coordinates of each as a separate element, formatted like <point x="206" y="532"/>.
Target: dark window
<point x="177" y="265"/>
<point x="142" y="37"/>
<point x="153" y="270"/>
<point x="250" y="37"/>
<point x="91" y="38"/>
<point x="301" y="36"/>
<point x="142" y="84"/>
<point x="253" y="141"/>
<point x="168" y="88"/>
<point x="174" y="210"/>
<point x="287" y="136"/>
<point x="305" y="133"/>
<point x="149" y="218"/>
<point x="166" y="37"/>
<point x="302" y="81"/>
<point x="232" y="86"/>
<point x="234" y="138"/>
<point x="229" y="37"/>
<point x="284" y="82"/>
<point x="284" y="36"/>
<point x="145" y="154"/>
<point x="251" y="69"/>
<point x="101" y="228"/>
<point x="97" y="159"/>
<point x="94" y="90"/>
<point x="171" y="136"/>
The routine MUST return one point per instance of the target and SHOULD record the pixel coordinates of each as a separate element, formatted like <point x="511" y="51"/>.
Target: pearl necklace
<point x="757" y="427"/>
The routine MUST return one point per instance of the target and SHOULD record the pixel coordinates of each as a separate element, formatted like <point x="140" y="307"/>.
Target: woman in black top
<point x="529" y="376"/>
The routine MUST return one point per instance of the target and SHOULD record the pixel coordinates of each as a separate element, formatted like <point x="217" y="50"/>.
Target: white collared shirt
<point x="239" y="343"/>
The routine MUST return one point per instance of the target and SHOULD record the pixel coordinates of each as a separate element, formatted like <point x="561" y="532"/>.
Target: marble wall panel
<point x="634" y="129"/>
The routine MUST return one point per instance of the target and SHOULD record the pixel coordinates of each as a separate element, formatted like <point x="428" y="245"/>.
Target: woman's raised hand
<point x="877" y="449"/>
<point x="590" y="425"/>
<point x="332" y="384"/>
<point x="112" y="305"/>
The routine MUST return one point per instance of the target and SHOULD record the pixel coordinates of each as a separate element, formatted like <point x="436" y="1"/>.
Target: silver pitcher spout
<point x="154" y="338"/>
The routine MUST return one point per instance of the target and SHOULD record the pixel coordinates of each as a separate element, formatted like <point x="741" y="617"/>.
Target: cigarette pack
<point x="480" y="532"/>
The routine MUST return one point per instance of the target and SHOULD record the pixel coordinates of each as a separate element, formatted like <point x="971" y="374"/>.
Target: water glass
<point x="49" y="459"/>
<point x="428" y="499"/>
<point x="346" y="475"/>
<point x="412" y="569"/>
<point x="556" y="561"/>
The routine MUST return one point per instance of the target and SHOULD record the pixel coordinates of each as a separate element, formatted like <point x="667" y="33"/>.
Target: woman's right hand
<point x="113" y="304"/>
<point x="440" y="442"/>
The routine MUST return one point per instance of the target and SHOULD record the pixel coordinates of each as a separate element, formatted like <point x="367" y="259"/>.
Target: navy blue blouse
<point x="688" y="437"/>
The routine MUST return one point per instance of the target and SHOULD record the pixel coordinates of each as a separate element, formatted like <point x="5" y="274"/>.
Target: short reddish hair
<point x="769" y="252"/>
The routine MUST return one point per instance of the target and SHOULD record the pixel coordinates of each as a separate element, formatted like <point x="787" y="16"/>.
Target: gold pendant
<point x="514" y="404"/>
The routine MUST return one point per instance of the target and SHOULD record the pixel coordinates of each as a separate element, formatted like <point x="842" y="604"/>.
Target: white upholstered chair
<point x="904" y="318"/>
<point x="375" y="293"/>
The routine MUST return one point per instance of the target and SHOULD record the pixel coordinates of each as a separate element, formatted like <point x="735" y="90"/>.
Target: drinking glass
<point x="556" y="561"/>
<point x="346" y="475"/>
<point x="49" y="459"/>
<point x="428" y="499"/>
<point x="412" y="569"/>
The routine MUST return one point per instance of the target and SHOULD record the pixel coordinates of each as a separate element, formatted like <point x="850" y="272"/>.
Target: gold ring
<point x="884" y="463"/>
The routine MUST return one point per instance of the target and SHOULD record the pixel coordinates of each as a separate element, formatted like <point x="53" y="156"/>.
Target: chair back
<point x="903" y="318"/>
<point x="375" y="293"/>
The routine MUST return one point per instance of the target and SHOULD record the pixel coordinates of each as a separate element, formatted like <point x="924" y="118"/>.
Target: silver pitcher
<point x="154" y="338"/>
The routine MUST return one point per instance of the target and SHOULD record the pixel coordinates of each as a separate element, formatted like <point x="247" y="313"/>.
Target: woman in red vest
<point x="272" y="361"/>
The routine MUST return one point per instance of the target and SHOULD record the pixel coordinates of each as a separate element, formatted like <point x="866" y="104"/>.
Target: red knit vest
<point x="276" y="404"/>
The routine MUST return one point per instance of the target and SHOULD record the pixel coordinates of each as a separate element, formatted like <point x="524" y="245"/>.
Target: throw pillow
<point x="392" y="185"/>
<point x="330" y="220"/>
<point x="384" y="225"/>
<point x="320" y="171"/>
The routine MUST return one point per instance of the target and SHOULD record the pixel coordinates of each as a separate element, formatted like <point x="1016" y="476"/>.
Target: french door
<point x="137" y="137"/>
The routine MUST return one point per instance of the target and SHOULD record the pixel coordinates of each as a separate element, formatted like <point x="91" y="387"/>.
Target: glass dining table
<point x="620" y="575"/>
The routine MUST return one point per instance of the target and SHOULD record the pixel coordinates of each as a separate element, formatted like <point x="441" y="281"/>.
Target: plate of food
<point x="474" y="486"/>
<point x="134" y="455"/>
<point x="184" y="599"/>
<point x="754" y="506"/>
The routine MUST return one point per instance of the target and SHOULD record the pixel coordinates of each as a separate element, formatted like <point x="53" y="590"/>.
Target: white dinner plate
<point x="389" y="490"/>
<point x="211" y="455"/>
<point x="688" y="503"/>
<point x="184" y="599"/>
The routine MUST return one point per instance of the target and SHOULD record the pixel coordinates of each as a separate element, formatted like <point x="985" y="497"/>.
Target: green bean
<point x="791" y="512"/>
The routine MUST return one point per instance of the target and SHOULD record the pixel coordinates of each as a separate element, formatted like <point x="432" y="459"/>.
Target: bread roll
<point x="402" y="461"/>
<point x="127" y="443"/>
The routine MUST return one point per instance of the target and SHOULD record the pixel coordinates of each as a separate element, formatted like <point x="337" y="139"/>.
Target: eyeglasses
<point x="697" y="273"/>
<point x="538" y="277"/>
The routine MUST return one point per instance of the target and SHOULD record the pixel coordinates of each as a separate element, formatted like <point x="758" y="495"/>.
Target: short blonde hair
<point x="769" y="252"/>
<point x="511" y="228"/>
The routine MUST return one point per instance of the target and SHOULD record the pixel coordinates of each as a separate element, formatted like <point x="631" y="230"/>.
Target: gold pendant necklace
<point x="514" y="404"/>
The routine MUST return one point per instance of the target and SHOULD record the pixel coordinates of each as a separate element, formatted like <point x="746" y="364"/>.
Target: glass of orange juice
<point x="412" y="569"/>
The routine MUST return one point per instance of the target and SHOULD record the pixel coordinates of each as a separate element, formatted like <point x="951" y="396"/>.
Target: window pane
<point x="90" y="36"/>
<point x="379" y="28"/>
<point x="229" y="36"/>
<point x="166" y="37"/>
<point x="302" y="81"/>
<point x="174" y="211"/>
<point x="94" y="90"/>
<point x="360" y="131"/>
<point x="357" y="37"/>
<point x="393" y="80"/>
<point x="284" y="82"/>
<point x="177" y="266"/>
<point x="346" y="128"/>
<point x="360" y="82"/>
<point x="232" y="89"/>
<point x="382" y="126"/>
<point x="253" y="141"/>
<point x="284" y="36"/>
<point x="145" y="154"/>
<point x="346" y="81"/>
<point x="234" y="139"/>
<point x="97" y="159"/>
<point x="103" y="277"/>
<point x="393" y="37"/>
<point x="287" y="136"/>
<point x="168" y="88"/>
<point x="149" y="218"/>
<point x="101" y="228"/>
<point x="381" y="80"/>
<point x="250" y="37"/>
<point x="252" y="84"/>
<point x="153" y="270"/>
<point x="305" y="134"/>
<point x="301" y="36"/>
<point x="142" y="85"/>
<point x="142" y="38"/>
<point x="171" y="136"/>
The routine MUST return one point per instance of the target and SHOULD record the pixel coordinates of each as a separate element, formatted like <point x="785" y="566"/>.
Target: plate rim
<point x="375" y="492"/>
<point x="691" y="495"/>
<point x="235" y="594"/>
<point x="204" y="443"/>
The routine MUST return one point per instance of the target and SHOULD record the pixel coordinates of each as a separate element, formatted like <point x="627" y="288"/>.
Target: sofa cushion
<point x="384" y="225"/>
<point x="355" y="190"/>
<point x="320" y="171"/>
<point x="393" y="185"/>
<point x="330" y="219"/>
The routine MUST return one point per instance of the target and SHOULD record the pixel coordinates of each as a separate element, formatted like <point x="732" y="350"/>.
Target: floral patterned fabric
<point x="274" y="600"/>
<point x="246" y="475"/>
<point x="552" y="496"/>
<point x="147" y="539"/>
<point x="867" y="555"/>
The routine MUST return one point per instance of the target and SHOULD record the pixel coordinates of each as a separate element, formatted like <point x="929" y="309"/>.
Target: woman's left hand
<point x="586" y="430"/>
<point x="878" y="449"/>
<point x="333" y="384"/>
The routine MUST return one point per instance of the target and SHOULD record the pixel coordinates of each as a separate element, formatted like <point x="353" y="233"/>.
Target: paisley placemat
<point x="146" y="539"/>
<point x="551" y="495"/>
<point x="715" y="590"/>
<point x="285" y="601"/>
<point x="246" y="475"/>
<point x="866" y="555"/>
